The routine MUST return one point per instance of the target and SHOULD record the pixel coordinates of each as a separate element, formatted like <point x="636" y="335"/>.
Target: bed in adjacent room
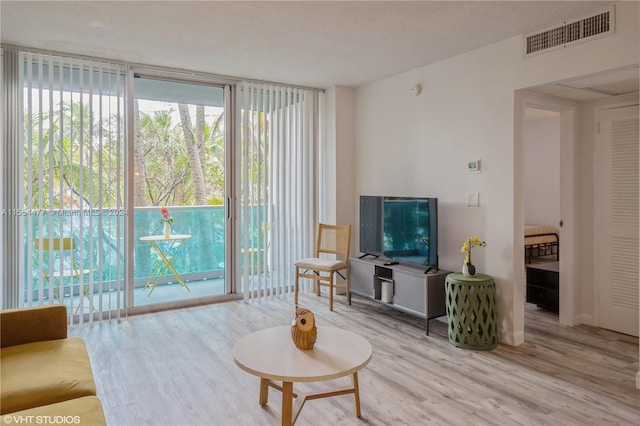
<point x="541" y="241"/>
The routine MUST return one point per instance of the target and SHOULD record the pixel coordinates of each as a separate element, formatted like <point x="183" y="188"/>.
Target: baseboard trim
<point x="585" y="319"/>
<point x="511" y="339"/>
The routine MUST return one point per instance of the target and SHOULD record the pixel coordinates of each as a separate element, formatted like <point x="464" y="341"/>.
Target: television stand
<point x="407" y="289"/>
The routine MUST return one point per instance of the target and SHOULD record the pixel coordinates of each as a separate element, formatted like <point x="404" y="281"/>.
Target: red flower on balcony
<point x="166" y="217"/>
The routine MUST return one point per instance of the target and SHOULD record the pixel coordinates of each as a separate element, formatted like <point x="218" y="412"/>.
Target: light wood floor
<point x="176" y="368"/>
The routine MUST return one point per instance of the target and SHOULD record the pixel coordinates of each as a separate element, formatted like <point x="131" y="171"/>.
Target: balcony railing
<point x="99" y="235"/>
<point x="201" y="257"/>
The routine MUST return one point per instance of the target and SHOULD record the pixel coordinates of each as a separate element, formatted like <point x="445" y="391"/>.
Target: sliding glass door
<point x="179" y="226"/>
<point x="76" y="215"/>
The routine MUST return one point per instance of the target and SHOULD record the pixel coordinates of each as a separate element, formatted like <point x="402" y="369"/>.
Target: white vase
<point x="468" y="270"/>
<point x="166" y="229"/>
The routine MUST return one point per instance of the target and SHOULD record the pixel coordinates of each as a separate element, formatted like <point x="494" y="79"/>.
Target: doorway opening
<point x="542" y="212"/>
<point x="546" y="151"/>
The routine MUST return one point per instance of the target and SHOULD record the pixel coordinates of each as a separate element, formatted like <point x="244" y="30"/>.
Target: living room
<point x="470" y="106"/>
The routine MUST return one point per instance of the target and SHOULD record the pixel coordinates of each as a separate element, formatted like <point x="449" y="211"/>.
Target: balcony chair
<point x="61" y="253"/>
<point x="331" y="258"/>
<point x="257" y="257"/>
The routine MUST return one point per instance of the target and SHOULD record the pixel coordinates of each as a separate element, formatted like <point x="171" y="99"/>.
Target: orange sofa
<point x="45" y="377"/>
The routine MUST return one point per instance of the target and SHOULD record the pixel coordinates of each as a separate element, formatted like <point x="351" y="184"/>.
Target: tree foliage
<point x="74" y="160"/>
<point x="71" y="160"/>
<point x="183" y="163"/>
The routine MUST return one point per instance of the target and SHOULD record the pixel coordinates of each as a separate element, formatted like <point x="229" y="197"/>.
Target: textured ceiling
<point x="308" y="43"/>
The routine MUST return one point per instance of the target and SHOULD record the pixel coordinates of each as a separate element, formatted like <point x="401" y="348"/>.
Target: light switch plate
<point x="473" y="199"/>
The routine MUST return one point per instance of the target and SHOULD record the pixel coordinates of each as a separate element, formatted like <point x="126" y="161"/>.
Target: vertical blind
<point x="10" y="177"/>
<point x="72" y="194"/>
<point x="277" y="185"/>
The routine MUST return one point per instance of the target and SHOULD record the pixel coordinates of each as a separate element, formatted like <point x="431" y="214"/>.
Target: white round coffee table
<point x="271" y="355"/>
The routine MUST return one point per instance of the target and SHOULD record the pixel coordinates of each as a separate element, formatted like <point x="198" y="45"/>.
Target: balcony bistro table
<point x="471" y="311"/>
<point x="167" y="253"/>
<point x="271" y="355"/>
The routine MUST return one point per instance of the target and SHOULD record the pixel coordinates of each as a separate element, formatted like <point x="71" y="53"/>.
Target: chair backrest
<point x="333" y="239"/>
<point x="57" y="248"/>
<point x="58" y="243"/>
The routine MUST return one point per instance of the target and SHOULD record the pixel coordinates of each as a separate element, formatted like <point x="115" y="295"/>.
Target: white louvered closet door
<point x="617" y="159"/>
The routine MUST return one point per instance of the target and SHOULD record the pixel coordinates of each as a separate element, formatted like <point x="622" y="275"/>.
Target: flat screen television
<point x="402" y="229"/>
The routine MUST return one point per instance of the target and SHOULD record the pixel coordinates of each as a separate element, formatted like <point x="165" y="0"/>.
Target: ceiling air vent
<point x="596" y="25"/>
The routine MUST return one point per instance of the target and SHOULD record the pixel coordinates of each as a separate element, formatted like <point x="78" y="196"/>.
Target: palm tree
<point x="215" y="164"/>
<point x="191" y="144"/>
<point x="139" y="169"/>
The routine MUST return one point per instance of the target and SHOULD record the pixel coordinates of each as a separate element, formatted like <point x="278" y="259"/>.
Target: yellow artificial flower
<point x="468" y="245"/>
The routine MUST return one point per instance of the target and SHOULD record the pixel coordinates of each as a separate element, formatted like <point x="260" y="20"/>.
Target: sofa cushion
<point x="33" y="324"/>
<point x="80" y="411"/>
<point x="42" y="373"/>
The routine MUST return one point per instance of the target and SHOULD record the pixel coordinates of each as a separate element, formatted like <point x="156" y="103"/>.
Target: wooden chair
<point x="61" y="253"/>
<point x="331" y="258"/>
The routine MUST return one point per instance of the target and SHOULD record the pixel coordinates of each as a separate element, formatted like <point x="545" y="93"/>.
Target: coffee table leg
<point x="264" y="391"/>
<point x="287" y="403"/>
<point x="356" y="393"/>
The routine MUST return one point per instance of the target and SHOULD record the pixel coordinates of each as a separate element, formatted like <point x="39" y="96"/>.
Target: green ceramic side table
<point x="471" y="311"/>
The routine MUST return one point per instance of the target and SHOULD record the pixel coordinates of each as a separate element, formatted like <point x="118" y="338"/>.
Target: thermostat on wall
<point x="473" y="166"/>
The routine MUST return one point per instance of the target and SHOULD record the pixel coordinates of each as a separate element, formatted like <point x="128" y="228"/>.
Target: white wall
<point x="327" y="162"/>
<point x="466" y="111"/>
<point x="542" y="169"/>
<point x="338" y="154"/>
